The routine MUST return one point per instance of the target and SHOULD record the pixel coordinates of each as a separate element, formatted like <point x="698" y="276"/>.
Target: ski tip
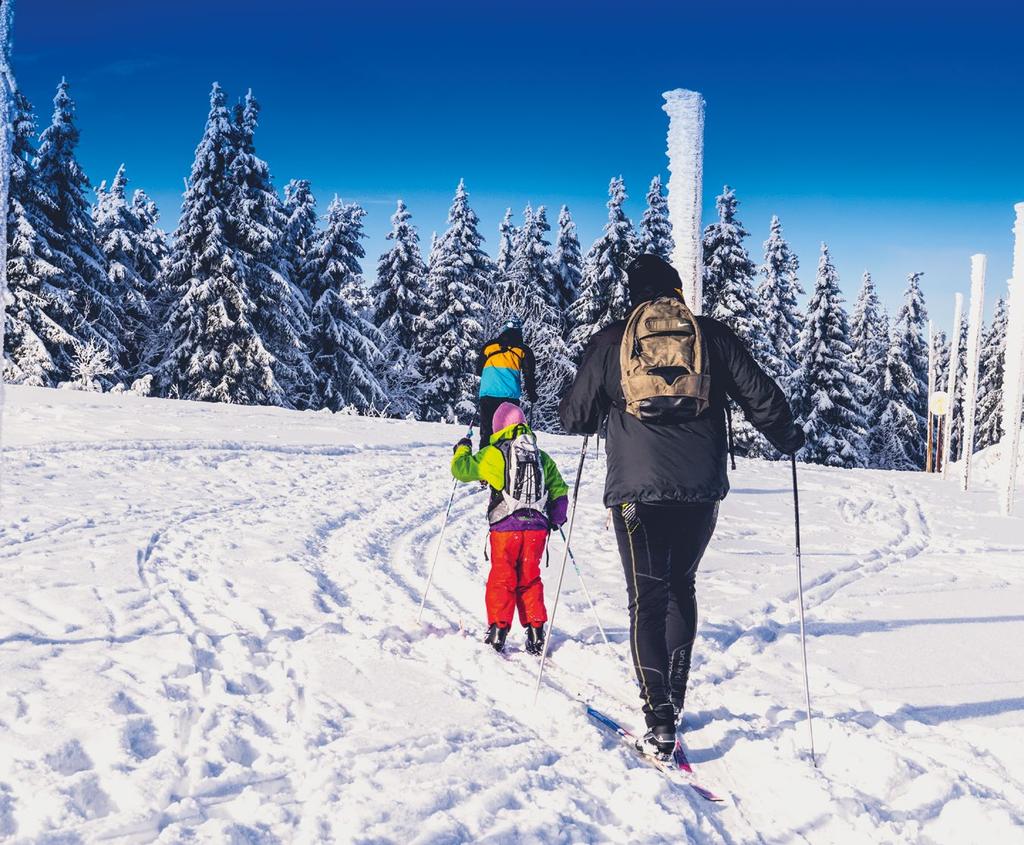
<point x="679" y="756"/>
<point x="706" y="794"/>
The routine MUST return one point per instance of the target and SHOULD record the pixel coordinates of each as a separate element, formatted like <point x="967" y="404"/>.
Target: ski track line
<point x="243" y="660"/>
<point x="912" y="539"/>
<point x="760" y="629"/>
<point x="523" y="673"/>
<point x="404" y="540"/>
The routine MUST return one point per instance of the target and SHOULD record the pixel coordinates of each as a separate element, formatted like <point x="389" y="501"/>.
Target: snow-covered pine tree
<point x="543" y="328"/>
<point x="153" y="240"/>
<point x="398" y="295"/>
<point x="655" y="229"/>
<point x="777" y="294"/>
<point x="356" y="292"/>
<point x="507" y="233"/>
<point x="150" y="261"/>
<point x="300" y="230"/>
<point x="825" y="383"/>
<point x="344" y="348"/>
<point x="212" y="349"/>
<point x="738" y="306"/>
<point x="63" y="185"/>
<point x="120" y="235"/>
<point x="869" y="339"/>
<point x="459" y="282"/>
<point x="896" y="431"/>
<point x="40" y="316"/>
<point x="399" y="300"/>
<point x="909" y="333"/>
<point x="566" y="262"/>
<point x="989" y="414"/>
<point x="513" y="288"/>
<point x="725" y="258"/>
<point x="258" y="223"/>
<point x="529" y="272"/>
<point x="604" y="291"/>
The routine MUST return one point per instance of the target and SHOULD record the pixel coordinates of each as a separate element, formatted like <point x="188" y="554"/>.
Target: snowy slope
<point x="207" y="634"/>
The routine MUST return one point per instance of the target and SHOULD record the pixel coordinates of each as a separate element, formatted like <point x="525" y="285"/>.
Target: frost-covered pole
<point x="1013" y="372"/>
<point x="954" y="357"/>
<point x="686" y="176"/>
<point x="6" y="140"/>
<point x="928" y="465"/>
<point x="974" y="321"/>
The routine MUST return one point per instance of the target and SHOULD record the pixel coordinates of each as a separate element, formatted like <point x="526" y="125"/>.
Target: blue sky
<point x="893" y="131"/>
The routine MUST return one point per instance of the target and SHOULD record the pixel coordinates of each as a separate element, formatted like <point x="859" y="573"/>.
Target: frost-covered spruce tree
<point x="398" y="292"/>
<point x="566" y="262"/>
<point x="825" y="383"/>
<point x="514" y="285"/>
<point x="604" y="291"/>
<point x="655" y="229"/>
<point x="459" y="282"/>
<point x="909" y="332"/>
<point x="529" y="272"/>
<point x="344" y="348"/>
<point x="120" y="233"/>
<point x="869" y="339"/>
<point x="543" y="327"/>
<point x="300" y="230"/>
<point x="39" y="317"/>
<point x="213" y="350"/>
<point x="398" y="296"/>
<point x="356" y="291"/>
<point x="726" y="261"/>
<point x="989" y="413"/>
<point x="891" y="439"/>
<point x="152" y="241"/>
<point x="738" y="306"/>
<point x="507" y="233"/>
<point x="257" y="225"/>
<point x="63" y="185"/>
<point x="777" y="294"/>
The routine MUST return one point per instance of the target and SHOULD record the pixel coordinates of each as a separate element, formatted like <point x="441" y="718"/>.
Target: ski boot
<point x="496" y="637"/>
<point x="535" y="638"/>
<point x="660" y="739"/>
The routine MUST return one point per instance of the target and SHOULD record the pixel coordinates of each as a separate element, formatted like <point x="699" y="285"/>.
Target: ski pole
<point x="586" y="592"/>
<point x="440" y="537"/>
<point x="800" y="592"/>
<point x="561" y="574"/>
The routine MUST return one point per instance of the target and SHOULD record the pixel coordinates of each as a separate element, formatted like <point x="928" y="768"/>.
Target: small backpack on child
<point x="524" y="488"/>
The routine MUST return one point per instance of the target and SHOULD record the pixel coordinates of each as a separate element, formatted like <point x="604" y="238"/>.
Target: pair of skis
<point x="677" y="768"/>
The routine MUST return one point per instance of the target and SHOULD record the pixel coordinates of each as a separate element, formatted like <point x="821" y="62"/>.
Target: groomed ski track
<point x="207" y="634"/>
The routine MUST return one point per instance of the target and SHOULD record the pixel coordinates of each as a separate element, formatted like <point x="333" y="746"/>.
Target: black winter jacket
<point x="683" y="462"/>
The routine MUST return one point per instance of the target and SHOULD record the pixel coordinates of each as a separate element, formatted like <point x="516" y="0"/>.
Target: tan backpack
<point x="664" y="361"/>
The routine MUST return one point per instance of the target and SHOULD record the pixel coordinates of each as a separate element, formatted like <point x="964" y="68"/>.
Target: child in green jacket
<point x="528" y="499"/>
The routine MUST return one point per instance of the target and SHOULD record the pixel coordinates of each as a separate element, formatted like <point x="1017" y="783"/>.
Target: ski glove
<point x="465" y="441"/>
<point x="558" y="511"/>
<point x="794" y="443"/>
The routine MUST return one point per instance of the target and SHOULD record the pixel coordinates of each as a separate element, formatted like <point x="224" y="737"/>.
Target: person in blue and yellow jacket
<point x="506" y="370"/>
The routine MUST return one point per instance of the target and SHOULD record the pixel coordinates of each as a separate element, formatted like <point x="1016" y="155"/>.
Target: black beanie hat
<point x="651" y="277"/>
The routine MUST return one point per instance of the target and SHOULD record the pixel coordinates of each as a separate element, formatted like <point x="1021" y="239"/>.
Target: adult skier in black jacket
<point x="663" y="485"/>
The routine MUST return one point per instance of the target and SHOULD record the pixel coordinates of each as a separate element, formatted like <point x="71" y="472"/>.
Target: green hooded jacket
<point x="489" y="464"/>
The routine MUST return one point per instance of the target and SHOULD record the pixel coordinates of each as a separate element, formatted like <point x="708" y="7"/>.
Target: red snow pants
<point x="514" y="581"/>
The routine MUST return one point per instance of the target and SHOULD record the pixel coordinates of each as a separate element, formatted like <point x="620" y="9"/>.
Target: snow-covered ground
<point x="208" y="634"/>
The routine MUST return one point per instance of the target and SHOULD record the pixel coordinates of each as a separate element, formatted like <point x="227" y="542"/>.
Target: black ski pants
<point x="488" y="405"/>
<point x="661" y="546"/>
